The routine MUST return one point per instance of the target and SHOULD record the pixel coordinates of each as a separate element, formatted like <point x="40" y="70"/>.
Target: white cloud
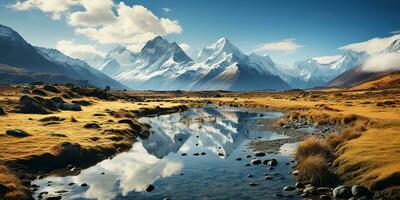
<point x="106" y="22"/>
<point x="54" y="7"/>
<point x="96" y="13"/>
<point x="184" y="46"/>
<point x="327" y="59"/>
<point x="288" y="45"/>
<point x="76" y="50"/>
<point x="372" y="46"/>
<point x="382" y="62"/>
<point x="134" y="26"/>
<point x="167" y="10"/>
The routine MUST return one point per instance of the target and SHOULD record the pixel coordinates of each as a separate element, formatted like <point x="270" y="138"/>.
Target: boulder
<point x="91" y="125"/>
<point x="82" y="102"/>
<point x="32" y="105"/>
<point x="39" y="92"/>
<point x="71" y="106"/>
<point x="58" y="101"/>
<point x="51" y="88"/>
<point x="342" y="192"/>
<point x="17" y="133"/>
<point x="255" y="161"/>
<point x="359" y="191"/>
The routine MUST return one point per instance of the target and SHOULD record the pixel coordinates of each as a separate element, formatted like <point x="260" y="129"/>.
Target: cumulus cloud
<point x="96" y="13"/>
<point x="76" y="50"/>
<point x="327" y="59"/>
<point x="167" y="10"/>
<point x="107" y="22"/>
<point x="382" y="62"/>
<point x="55" y="7"/>
<point x="372" y="46"/>
<point x="133" y="26"/>
<point x="184" y="46"/>
<point x="288" y="45"/>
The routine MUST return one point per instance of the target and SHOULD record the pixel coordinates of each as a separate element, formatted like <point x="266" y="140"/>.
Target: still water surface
<point x="221" y="133"/>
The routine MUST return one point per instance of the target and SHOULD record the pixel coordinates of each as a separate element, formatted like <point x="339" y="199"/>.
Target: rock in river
<point x="17" y="133"/>
<point x="324" y="197"/>
<point x="149" y="188"/>
<point x="272" y="162"/>
<point x="289" y="188"/>
<point x="259" y="154"/>
<point x="255" y="161"/>
<point x="342" y="192"/>
<point x="359" y="191"/>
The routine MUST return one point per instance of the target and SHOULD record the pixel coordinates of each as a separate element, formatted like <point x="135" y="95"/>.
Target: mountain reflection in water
<point x="214" y="131"/>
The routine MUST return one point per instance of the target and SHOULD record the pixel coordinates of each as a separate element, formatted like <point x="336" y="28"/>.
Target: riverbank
<point x="62" y="129"/>
<point x="361" y="126"/>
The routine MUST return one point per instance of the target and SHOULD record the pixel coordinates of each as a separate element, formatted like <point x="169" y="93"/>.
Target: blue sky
<point x="294" y="29"/>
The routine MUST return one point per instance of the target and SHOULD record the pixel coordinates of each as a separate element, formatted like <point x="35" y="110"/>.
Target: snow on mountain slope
<point x="315" y="74"/>
<point x="82" y="68"/>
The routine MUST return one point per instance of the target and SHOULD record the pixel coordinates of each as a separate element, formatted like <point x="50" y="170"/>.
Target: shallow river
<point x="221" y="133"/>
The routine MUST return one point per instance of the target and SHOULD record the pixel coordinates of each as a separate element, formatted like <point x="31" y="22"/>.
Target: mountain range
<point x="23" y="63"/>
<point x="163" y="65"/>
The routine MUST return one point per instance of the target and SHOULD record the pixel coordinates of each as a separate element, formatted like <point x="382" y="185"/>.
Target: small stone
<point x="299" y="185"/>
<point x="259" y="154"/>
<point x="238" y="159"/>
<point x="359" y="191"/>
<point x="268" y="178"/>
<point x="253" y="184"/>
<point x="84" y="185"/>
<point x="247" y="165"/>
<point x="296" y="172"/>
<point x="149" y="188"/>
<point x="203" y="153"/>
<point x="310" y="189"/>
<point x="183" y="154"/>
<point x="196" y="154"/>
<point x="289" y="188"/>
<point x="342" y="192"/>
<point x="71" y="184"/>
<point x="272" y="162"/>
<point x="91" y="126"/>
<point x="220" y="154"/>
<point x="248" y="156"/>
<point x="255" y="161"/>
<point x="250" y="176"/>
<point x="17" y="133"/>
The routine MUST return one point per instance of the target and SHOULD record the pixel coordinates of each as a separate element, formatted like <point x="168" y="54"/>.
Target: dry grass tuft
<point x="15" y="189"/>
<point x="315" y="170"/>
<point x="310" y="147"/>
<point x="333" y="140"/>
<point x="280" y="122"/>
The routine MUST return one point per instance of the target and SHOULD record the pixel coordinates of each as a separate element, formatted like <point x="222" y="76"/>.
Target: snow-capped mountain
<point x="221" y="66"/>
<point x="359" y="75"/>
<point x="314" y="73"/>
<point x="19" y="54"/>
<point x="394" y="47"/>
<point x="117" y="60"/>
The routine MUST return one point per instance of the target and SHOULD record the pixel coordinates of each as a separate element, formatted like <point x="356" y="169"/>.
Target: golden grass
<point x="314" y="169"/>
<point x="310" y="147"/>
<point x="373" y="159"/>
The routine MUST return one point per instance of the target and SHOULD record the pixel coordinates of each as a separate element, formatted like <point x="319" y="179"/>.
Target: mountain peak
<point x="8" y="33"/>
